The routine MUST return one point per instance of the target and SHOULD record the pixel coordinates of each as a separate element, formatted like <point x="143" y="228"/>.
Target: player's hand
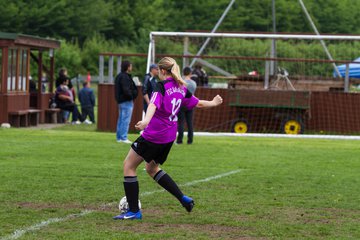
<point x="141" y="125"/>
<point x="217" y="100"/>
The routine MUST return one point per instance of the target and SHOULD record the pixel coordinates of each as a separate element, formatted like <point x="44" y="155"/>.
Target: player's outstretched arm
<point x="141" y="125"/>
<point x="206" y="104"/>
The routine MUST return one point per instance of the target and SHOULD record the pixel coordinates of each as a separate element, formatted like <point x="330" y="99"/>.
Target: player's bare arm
<point x="141" y="125"/>
<point x="206" y="104"/>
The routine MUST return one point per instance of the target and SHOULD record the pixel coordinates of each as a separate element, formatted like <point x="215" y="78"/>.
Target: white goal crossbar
<point x="151" y="51"/>
<point x="257" y="35"/>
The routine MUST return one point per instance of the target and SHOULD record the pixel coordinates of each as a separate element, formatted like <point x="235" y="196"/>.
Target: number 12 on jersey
<point x="176" y="103"/>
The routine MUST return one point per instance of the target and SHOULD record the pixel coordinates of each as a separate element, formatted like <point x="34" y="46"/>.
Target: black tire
<point x="240" y="126"/>
<point x="292" y="125"/>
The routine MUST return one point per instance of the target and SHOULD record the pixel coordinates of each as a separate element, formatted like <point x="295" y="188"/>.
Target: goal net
<point x="271" y="83"/>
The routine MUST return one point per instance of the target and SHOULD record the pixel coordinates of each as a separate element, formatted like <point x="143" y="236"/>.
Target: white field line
<point x="19" y="233"/>
<point x="195" y="182"/>
<point x="263" y="135"/>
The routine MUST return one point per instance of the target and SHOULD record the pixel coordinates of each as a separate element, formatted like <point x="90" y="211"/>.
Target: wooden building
<point x="18" y="105"/>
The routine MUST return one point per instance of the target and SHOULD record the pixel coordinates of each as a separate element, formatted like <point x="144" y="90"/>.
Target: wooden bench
<point x="34" y="117"/>
<point x="19" y="118"/>
<point x="52" y="115"/>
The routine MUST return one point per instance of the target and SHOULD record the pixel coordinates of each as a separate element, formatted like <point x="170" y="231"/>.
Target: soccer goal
<point x="302" y="83"/>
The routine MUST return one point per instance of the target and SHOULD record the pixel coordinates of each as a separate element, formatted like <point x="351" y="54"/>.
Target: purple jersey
<point x="168" y="99"/>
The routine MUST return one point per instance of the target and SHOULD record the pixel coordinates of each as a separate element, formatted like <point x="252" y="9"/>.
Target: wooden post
<point x="4" y="70"/>
<point x="101" y="69"/>
<point x="111" y="69"/>
<point x="40" y="67"/>
<point x="267" y="75"/>
<point x="1" y="71"/>
<point x="346" y="83"/>
<point x="118" y="65"/>
<point x="27" y="69"/>
<point x="52" y="67"/>
<point x="11" y="64"/>
<point x="17" y="68"/>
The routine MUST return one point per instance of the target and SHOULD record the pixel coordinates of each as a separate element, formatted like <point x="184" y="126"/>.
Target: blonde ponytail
<point x="170" y="65"/>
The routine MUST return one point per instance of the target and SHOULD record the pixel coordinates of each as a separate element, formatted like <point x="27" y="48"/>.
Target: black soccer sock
<point x="164" y="180"/>
<point x="131" y="186"/>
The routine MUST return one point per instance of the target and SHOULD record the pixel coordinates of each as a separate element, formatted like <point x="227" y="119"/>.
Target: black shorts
<point x="151" y="151"/>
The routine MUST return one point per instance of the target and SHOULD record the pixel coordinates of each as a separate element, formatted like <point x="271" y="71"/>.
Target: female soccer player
<point x="160" y="126"/>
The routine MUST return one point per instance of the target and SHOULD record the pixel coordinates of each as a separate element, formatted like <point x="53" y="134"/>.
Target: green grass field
<point x="284" y="189"/>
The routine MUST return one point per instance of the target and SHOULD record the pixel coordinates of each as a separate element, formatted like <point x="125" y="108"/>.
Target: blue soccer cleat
<point x="188" y="203"/>
<point x="129" y="216"/>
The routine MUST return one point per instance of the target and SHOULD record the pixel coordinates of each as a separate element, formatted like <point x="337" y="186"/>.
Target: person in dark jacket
<point x="87" y="100"/>
<point x="125" y="94"/>
<point x="199" y="76"/>
<point x="149" y="84"/>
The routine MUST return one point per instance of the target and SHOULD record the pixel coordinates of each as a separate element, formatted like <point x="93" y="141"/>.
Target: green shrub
<point x="69" y="56"/>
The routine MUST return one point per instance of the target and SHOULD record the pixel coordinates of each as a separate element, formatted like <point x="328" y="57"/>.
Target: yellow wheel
<point x="293" y="127"/>
<point x="240" y="127"/>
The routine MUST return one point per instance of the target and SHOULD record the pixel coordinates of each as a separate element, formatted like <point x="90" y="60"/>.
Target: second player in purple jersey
<point x="168" y="99"/>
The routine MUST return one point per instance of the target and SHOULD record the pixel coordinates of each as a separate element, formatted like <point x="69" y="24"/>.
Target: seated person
<point x="65" y="101"/>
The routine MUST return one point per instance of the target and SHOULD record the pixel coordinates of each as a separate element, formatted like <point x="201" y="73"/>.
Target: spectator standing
<point x="185" y="113"/>
<point x="199" y="76"/>
<point x="125" y="94"/>
<point x="87" y="101"/>
<point x="149" y="84"/>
